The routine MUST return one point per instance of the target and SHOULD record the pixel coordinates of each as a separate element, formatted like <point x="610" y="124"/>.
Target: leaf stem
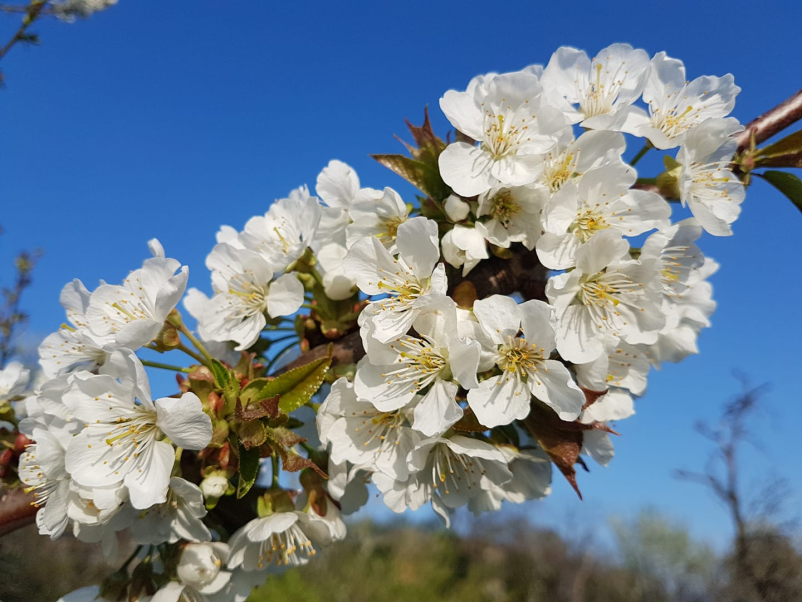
<point x="131" y="557"/>
<point x="165" y="366"/>
<point x="274" y="460"/>
<point x="198" y="345"/>
<point x="646" y="148"/>
<point x="190" y="353"/>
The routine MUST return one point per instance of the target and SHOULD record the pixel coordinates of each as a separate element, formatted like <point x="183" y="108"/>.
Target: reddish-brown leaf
<point x="591" y="396"/>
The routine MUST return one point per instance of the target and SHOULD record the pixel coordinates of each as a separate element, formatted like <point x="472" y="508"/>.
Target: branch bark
<point x="772" y="122"/>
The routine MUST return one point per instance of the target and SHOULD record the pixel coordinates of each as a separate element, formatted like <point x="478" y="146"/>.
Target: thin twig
<point x="32" y="13"/>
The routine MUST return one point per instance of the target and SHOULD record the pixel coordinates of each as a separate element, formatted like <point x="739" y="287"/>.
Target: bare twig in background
<point x="12" y="317"/>
<point x="759" y="544"/>
<point x="32" y="12"/>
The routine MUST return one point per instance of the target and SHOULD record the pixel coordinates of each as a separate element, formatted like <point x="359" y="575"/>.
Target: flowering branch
<point x="471" y="342"/>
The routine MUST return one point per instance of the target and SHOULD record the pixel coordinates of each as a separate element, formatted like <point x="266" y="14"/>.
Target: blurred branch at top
<point x="65" y="10"/>
<point x="12" y="317"/>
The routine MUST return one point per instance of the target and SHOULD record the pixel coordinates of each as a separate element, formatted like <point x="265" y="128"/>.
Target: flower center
<point x="402" y="286"/>
<point x="503" y="208"/>
<point x="710" y="181"/>
<point x="559" y="170"/>
<point x="519" y="357"/>
<point x="454" y="472"/>
<point x="380" y="427"/>
<point x="252" y="297"/>
<point x="420" y="363"/>
<point x="588" y="221"/>
<point x="285" y="548"/>
<point x="505" y="133"/>
<point x="671" y="121"/>
<point x="601" y="93"/>
<point x="604" y="292"/>
<point x="389" y="230"/>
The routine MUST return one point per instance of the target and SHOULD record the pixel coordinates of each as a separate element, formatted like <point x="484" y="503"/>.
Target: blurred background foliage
<point x="650" y="558"/>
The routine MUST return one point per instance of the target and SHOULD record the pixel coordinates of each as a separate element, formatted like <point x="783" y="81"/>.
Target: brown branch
<point x="771" y="122"/>
<point x="16" y="510"/>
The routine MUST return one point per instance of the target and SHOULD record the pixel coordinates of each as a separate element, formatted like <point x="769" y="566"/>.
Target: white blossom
<point x="600" y="200"/>
<point x="512" y="214"/>
<point x="509" y="118"/>
<point x="414" y="282"/>
<point x="571" y="158"/>
<point x="364" y="435"/>
<point x="282" y="234"/>
<point x="603" y="88"/>
<point x="178" y="517"/>
<point x="432" y="366"/>
<point x="464" y="247"/>
<point x="279" y="540"/>
<point x="707" y="185"/>
<point x="524" y="363"/>
<point x="42" y="472"/>
<point x="121" y="440"/>
<point x="607" y="294"/>
<point x="245" y="295"/>
<point x="676" y="105"/>
<point x="378" y="214"/>
<point x="135" y="311"/>
<point x="75" y="347"/>
<point x="447" y="473"/>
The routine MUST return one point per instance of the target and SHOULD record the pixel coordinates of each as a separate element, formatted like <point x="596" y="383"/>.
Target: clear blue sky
<point x="168" y="119"/>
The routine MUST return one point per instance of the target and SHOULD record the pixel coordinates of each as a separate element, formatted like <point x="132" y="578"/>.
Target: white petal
<point x="184" y="421"/>
<point x="285" y="296"/>
<point x="466" y="169"/>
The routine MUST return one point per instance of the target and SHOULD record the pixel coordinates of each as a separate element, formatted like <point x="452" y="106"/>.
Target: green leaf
<point x="297" y="386"/>
<point x="248" y="469"/>
<point x="787" y="183"/>
<point x="790" y="145"/>
<point x="221" y="374"/>
<point x="226" y="380"/>
<point x="251" y="393"/>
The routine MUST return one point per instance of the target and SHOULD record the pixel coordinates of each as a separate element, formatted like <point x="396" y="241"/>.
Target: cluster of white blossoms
<point x="520" y="174"/>
<point x="459" y="395"/>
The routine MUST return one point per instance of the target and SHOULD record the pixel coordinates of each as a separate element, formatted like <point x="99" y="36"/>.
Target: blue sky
<point x="169" y="119"/>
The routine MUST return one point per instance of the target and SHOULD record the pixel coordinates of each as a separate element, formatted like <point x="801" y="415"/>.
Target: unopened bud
<point x="20" y="443"/>
<point x="214" y="485"/>
<point x="456" y="209"/>
<point x="216" y="403"/>
<point x="6" y="457"/>
<point x="174" y="318"/>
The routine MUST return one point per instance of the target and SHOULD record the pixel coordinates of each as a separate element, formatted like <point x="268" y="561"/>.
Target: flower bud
<point x="20" y="443"/>
<point x="456" y="209"/>
<point x="214" y="485"/>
